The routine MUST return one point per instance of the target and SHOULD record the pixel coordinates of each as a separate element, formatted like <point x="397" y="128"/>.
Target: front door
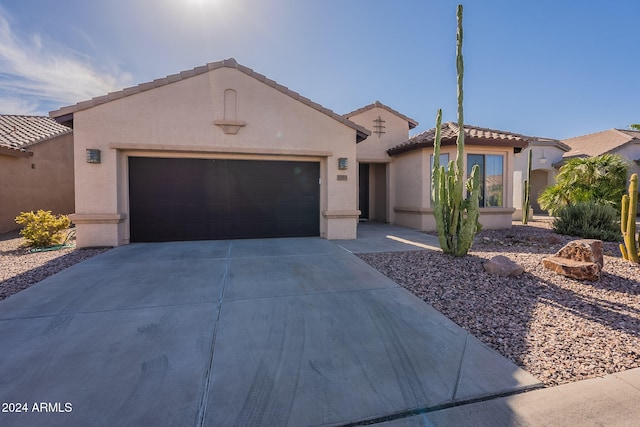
<point x="363" y="191"/>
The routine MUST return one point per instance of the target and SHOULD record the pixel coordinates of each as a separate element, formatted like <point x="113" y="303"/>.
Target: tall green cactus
<point x="456" y="218"/>
<point x="526" y="196"/>
<point x="628" y="221"/>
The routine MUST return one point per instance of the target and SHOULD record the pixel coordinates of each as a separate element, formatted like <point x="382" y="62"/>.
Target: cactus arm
<point x="438" y="193"/>
<point x="526" y="199"/>
<point x="471" y="224"/>
<point x="624" y="216"/>
<point x="623" y="251"/>
<point x="459" y="81"/>
<point x="629" y="234"/>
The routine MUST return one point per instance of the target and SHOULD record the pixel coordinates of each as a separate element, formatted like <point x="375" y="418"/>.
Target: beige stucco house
<point x="546" y="152"/>
<point x="219" y="151"/>
<point x="492" y="150"/>
<point x="223" y="152"/>
<point x="36" y="167"/>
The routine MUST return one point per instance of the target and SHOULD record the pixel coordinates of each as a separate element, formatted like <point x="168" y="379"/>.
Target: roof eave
<point x="445" y="142"/>
<point x="362" y="135"/>
<point x="411" y="122"/>
<point x="227" y="63"/>
<point x="14" y="152"/>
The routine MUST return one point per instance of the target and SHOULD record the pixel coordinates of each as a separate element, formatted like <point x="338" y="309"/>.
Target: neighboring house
<point x="36" y="167"/>
<point x="546" y="152"/>
<point x="550" y="154"/>
<point x="492" y="150"/>
<point x="216" y="152"/>
<point x="623" y="142"/>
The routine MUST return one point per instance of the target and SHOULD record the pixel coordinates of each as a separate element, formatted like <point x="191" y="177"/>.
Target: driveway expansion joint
<point x="448" y="405"/>
<point x="202" y="407"/>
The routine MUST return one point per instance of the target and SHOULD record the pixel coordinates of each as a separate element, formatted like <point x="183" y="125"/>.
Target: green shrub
<point x="42" y="229"/>
<point x="588" y="220"/>
<point x="602" y="179"/>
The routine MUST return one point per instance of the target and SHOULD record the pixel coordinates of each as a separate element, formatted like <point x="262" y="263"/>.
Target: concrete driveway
<point x="272" y="332"/>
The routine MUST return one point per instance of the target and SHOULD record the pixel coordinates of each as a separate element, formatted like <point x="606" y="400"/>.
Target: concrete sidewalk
<point x="610" y="401"/>
<point x="379" y="237"/>
<point x="268" y="332"/>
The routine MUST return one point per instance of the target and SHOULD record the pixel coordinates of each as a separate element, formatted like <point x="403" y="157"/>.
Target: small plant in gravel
<point x="589" y="220"/>
<point x="42" y="229"/>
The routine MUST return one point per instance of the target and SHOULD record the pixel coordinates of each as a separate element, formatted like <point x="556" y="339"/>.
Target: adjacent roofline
<point x="625" y="133"/>
<point x="549" y="142"/>
<point x="412" y="123"/>
<point x="361" y="132"/>
<point x="27" y="131"/>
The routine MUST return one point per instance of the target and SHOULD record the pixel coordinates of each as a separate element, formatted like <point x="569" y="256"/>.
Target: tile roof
<point x="473" y="136"/>
<point x="599" y="143"/>
<point x="412" y="123"/>
<point x="548" y="142"/>
<point x="227" y="63"/>
<point x="19" y="132"/>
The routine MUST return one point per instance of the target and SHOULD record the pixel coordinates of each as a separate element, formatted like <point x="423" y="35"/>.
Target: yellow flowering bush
<point x="42" y="229"/>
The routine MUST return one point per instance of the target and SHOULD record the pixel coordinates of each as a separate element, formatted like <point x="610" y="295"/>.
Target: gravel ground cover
<point x="20" y="269"/>
<point x="559" y="329"/>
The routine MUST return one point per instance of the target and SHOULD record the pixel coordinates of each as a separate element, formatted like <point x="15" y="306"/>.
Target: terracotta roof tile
<point x="19" y="132"/>
<point x="228" y="63"/>
<point x="473" y="136"/>
<point x="412" y="123"/>
<point x="599" y="143"/>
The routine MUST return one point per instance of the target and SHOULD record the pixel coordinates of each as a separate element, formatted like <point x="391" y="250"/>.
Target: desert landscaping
<point x="558" y="329"/>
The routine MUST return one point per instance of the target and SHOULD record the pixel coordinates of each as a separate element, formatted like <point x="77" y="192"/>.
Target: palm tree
<point x="601" y="179"/>
<point x="635" y="126"/>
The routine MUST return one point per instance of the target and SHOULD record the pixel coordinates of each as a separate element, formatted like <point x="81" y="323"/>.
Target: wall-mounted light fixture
<point x="93" y="155"/>
<point x="343" y="163"/>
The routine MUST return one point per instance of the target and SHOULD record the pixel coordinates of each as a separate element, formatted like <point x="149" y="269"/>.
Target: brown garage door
<point x="203" y="199"/>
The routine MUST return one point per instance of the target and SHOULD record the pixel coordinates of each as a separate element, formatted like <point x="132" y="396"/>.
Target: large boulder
<point x="500" y="265"/>
<point x="579" y="259"/>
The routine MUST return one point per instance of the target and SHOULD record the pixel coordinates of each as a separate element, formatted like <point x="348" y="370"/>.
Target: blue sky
<point x="547" y="68"/>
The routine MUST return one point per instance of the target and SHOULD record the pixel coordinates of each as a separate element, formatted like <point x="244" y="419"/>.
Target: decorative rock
<point x="588" y="250"/>
<point x="579" y="259"/>
<point x="500" y="265"/>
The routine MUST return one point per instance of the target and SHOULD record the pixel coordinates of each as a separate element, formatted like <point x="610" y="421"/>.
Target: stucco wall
<point x="178" y="120"/>
<point x="543" y="158"/>
<point x="412" y="172"/>
<point x="374" y="149"/>
<point x="42" y="181"/>
<point x="630" y="152"/>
